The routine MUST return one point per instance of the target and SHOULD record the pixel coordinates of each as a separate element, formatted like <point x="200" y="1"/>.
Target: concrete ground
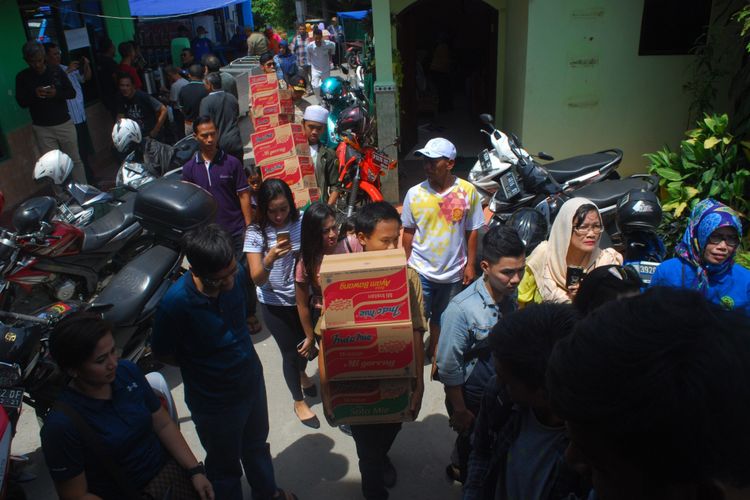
<point x="314" y="464"/>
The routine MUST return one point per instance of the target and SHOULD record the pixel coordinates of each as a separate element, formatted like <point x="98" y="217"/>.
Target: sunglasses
<point x="730" y="239"/>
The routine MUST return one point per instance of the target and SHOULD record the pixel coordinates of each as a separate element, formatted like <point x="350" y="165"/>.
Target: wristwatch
<point x="198" y="469"/>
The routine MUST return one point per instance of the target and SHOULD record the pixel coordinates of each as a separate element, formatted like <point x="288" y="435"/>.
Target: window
<point x="672" y="27"/>
<point x="74" y="27"/>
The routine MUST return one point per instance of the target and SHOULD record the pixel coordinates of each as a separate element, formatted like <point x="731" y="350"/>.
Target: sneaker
<point x="346" y="429"/>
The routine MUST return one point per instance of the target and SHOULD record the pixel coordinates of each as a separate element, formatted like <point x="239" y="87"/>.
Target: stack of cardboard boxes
<point x="280" y="145"/>
<point x="367" y="361"/>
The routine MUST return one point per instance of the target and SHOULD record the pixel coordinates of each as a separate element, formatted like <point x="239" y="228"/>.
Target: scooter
<point x="338" y="94"/>
<point x="490" y="173"/>
<point x="151" y="159"/>
<point x="72" y="262"/>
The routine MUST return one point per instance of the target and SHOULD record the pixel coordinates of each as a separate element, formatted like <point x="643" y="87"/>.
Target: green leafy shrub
<point x="709" y="164"/>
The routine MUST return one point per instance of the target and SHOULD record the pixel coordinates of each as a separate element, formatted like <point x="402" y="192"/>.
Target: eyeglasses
<point x="731" y="239"/>
<point x="584" y="230"/>
<point x="270" y="64"/>
<point x="216" y="282"/>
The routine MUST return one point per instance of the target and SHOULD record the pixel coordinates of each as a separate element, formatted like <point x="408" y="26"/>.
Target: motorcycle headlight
<point x="10" y="374"/>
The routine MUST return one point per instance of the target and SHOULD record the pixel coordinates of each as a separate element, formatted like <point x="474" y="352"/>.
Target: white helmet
<point x="125" y="133"/>
<point x="54" y="164"/>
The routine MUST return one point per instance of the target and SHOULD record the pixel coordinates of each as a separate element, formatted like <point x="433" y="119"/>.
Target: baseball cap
<point x="437" y="148"/>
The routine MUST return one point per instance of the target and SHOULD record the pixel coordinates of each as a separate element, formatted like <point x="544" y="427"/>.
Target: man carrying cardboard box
<point x="325" y="160"/>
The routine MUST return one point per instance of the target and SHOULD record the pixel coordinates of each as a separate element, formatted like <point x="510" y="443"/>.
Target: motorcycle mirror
<point x="545" y="156"/>
<point x="344" y="69"/>
<point x="486" y="118"/>
<point x="516" y="140"/>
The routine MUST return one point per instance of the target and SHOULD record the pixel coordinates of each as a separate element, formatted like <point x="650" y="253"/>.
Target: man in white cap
<point x="441" y="217"/>
<point x="324" y="159"/>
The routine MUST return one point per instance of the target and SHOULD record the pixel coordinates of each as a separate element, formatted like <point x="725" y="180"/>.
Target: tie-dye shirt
<point x="441" y="221"/>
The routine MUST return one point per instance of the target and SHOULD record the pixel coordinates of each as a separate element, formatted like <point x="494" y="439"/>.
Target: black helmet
<point x="638" y="210"/>
<point x="352" y="119"/>
<point x="531" y="225"/>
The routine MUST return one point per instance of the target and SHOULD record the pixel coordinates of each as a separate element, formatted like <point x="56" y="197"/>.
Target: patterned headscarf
<point x="707" y="216"/>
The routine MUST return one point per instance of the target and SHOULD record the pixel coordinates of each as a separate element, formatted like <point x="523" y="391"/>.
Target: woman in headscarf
<point x="705" y="258"/>
<point x="286" y="61"/>
<point x="573" y="242"/>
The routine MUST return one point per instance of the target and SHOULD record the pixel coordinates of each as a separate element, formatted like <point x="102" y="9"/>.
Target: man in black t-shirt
<point x="44" y="89"/>
<point x="140" y="107"/>
<point x="191" y="96"/>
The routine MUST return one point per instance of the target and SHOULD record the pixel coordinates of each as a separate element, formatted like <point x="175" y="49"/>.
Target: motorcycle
<point x="73" y="262"/>
<point x="491" y="168"/>
<point x="354" y="54"/>
<point x="638" y="216"/>
<point x="360" y="163"/>
<point x="147" y="159"/>
<point x="338" y="94"/>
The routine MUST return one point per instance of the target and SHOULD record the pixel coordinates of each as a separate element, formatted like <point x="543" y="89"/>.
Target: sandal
<point x="254" y="325"/>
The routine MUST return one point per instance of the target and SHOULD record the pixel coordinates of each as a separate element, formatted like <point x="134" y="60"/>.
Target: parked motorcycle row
<point x="526" y="194"/>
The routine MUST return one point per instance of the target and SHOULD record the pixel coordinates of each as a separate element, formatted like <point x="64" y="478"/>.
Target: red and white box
<point x="298" y="172"/>
<point x="278" y="143"/>
<point x="305" y="197"/>
<point x="280" y="98"/>
<point x="364" y="352"/>
<point x="262" y="83"/>
<point x="368" y="401"/>
<point x="269" y="117"/>
<point x="365" y="288"/>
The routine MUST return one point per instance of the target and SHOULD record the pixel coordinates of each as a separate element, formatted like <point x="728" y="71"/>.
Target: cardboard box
<point x="365" y="352"/>
<point x="365" y="288"/>
<point x="269" y="117"/>
<point x="278" y="143"/>
<point x="367" y="401"/>
<point x="280" y="98"/>
<point x="305" y="197"/>
<point x="298" y="172"/>
<point x="262" y="83"/>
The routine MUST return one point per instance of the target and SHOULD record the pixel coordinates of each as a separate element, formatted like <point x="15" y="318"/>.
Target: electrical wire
<point x="131" y="18"/>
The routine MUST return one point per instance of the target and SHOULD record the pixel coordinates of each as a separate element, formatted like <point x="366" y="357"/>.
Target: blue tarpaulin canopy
<point x="353" y="14"/>
<point x="147" y="8"/>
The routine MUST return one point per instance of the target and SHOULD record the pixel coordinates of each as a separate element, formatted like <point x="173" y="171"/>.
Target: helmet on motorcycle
<point x="638" y="210"/>
<point x="126" y="134"/>
<point x="352" y="119"/>
<point x="53" y="164"/>
<point x="531" y="225"/>
<point x="332" y="90"/>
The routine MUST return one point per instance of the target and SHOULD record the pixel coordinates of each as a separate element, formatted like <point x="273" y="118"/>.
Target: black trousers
<point x="373" y="442"/>
<point x="284" y="324"/>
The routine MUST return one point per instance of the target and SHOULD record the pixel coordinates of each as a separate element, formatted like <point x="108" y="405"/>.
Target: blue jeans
<point x="235" y="438"/>
<point x="436" y="297"/>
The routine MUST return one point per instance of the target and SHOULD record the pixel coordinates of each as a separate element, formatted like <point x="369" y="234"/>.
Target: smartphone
<point x="312" y="353"/>
<point x="282" y="237"/>
<point x="573" y="277"/>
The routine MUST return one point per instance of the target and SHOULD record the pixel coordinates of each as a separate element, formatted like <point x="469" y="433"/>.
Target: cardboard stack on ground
<point x="280" y="146"/>
<point x="367" y="361"/>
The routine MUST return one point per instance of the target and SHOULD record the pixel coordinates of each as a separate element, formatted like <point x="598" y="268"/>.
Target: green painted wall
<point x="12" y="38"/>
<point x="119" y="30"/>
<point x="513" y="81"/>
<point x="587" y="88"/>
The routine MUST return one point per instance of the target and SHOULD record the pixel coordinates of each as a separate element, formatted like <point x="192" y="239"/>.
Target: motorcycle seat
<point x="132" y="288"/>
<point x="606" y="193"/>
<point x="570" y="168"/>
<point x="103" y="229"/>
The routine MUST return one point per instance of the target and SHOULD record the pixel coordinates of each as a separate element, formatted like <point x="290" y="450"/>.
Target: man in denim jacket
<point x="463" y="358"/>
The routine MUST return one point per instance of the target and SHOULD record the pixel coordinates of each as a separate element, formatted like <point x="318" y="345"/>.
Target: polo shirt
<point x="190" y="98"/>
<point x="224" y="178"/>
<point x="124" y="425"/>
<point x="209" y="338"/>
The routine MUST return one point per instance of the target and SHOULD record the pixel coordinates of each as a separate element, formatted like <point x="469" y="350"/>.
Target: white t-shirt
<point x="279" y="289"/>
<point x="314" y="148"/>
<point x="320" y="57"/>
<point x="441" y="221"/>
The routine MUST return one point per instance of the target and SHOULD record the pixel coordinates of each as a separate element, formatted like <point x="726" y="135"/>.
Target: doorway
<point x="448" y="52"/>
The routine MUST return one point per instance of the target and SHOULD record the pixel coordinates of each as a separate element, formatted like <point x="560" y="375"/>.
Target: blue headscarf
<point x="707" y="216"/>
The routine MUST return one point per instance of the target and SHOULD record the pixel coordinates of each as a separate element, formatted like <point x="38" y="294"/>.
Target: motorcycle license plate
<point x="509" y="184"/>
<point x="645" y="269"/>
<point x="11" y="397"/>
<point x="484" y="161"/>
<point x="381" y="160"/>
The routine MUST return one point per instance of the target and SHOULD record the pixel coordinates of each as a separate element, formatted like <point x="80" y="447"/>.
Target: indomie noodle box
<point x="367" y="401"/>
<point x="278" y="143"/>
<point x="365" y="288"/>
<point x="268" y="117"/>
<point x="297" y="172"/>
<point x="280" y="98"/>
<point x="305" y="197"/>
<point x="367" y="352"/>
<point x="262" y="83"/>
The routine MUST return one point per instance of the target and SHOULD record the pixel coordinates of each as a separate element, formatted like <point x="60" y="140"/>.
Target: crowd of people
<point x="556" y="389"/>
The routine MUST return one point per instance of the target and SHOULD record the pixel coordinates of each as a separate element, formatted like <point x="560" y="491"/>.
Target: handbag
<point x="171" y="482"/>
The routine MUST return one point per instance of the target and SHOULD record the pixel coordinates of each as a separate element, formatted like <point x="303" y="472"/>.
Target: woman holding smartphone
<point x="555" y="267"/>
<point x="272" y="243"/>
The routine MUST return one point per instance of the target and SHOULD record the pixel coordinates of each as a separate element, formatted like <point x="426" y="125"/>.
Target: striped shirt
<point x="279" y="289"/>
<point x="299" y="47"/>
<point x="76" y="108"/>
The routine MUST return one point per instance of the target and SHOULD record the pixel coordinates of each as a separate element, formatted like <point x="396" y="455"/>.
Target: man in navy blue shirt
<point x="200" y="326"/>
